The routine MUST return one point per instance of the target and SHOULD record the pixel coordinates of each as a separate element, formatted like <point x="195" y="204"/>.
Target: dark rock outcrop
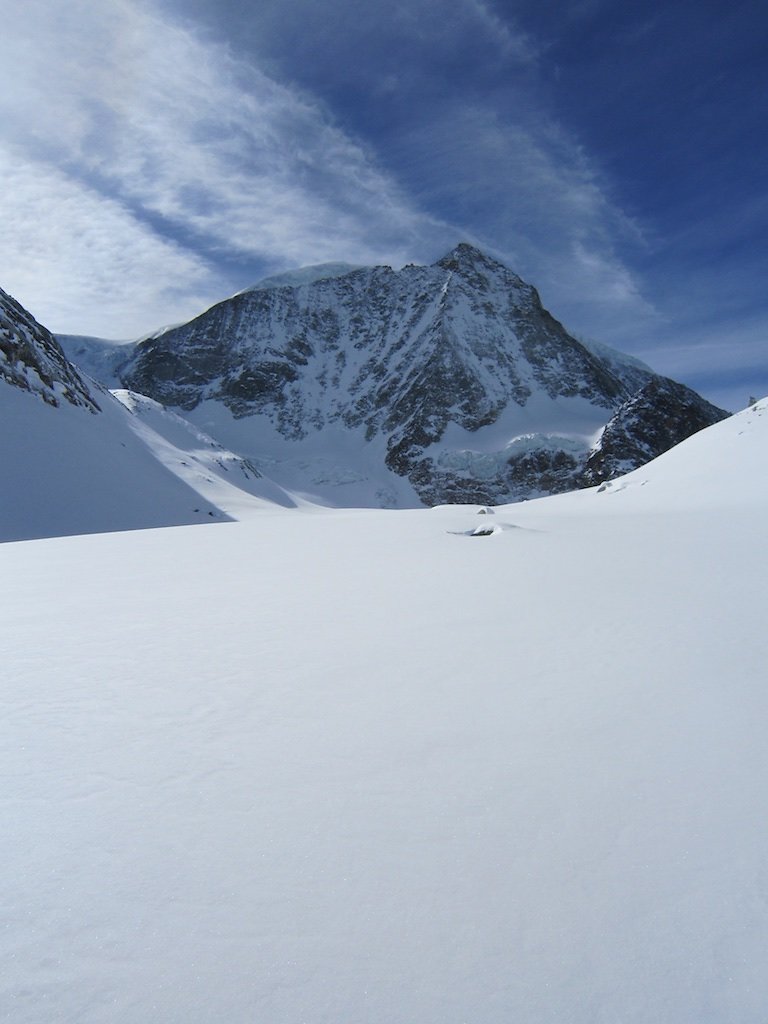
<point x="659" y="416"/>
<point x="32" y="359"/>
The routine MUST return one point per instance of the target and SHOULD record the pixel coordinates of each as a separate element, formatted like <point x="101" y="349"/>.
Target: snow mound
<point x="486" y="531"/>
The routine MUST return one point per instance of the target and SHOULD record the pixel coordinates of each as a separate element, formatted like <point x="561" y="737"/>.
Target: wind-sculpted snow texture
<point x="404" y="359"/>
<point x="354" y="766"/>
<point x="32" y="359"/>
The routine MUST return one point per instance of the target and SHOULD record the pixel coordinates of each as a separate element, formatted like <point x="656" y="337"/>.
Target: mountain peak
<point x="442" y="383"/>
<point x="304" y="275"/>
<point x="464" y="252"/>
<point x="467" y="259"/>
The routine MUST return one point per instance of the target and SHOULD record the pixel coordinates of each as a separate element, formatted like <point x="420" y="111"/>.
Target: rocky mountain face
<point x="661" y="415"/>
<point x="32" y="359"/>
<point x="454" y="376"/>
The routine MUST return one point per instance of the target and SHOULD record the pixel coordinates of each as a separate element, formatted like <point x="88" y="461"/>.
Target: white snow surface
<point x="132" y="466"/>
<point x="361" y="765"/>
<point x="303" y="275"/>
<point x="332" y="466"/>
<point x="98" y="357"/>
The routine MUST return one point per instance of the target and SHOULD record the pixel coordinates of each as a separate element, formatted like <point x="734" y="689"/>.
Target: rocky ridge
<point x="454" y="374"/>
<point x="33" y="360"/>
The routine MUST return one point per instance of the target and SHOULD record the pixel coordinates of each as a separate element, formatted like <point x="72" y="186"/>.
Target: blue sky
<point x="157" y="156"/>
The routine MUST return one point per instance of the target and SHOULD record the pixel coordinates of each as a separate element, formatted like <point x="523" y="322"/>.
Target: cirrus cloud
<point x="170" y="170"/>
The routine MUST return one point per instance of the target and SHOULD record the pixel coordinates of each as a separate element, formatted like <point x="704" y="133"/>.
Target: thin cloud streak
<point x="263" y="172"/>
<point x="82" y="264"/>
<point x="512" y="41"/>
<point x="536" y="187"/>
<point x="176" y="129"/>
<point x="180" y="154"/>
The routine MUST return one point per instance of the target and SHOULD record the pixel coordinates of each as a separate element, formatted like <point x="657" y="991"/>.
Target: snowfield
<point x="132" y="466"/>
<point x="334" y="766"/>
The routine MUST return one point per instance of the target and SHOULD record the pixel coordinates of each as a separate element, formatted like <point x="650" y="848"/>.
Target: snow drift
<point x="363" y="766"/>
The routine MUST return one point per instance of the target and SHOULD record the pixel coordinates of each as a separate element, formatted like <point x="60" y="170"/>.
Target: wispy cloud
<point x="218" y="147"/>
<point x="454" y="88"/>
<point x="164" y="152"/>
<point x="146" y="155"/>
<point x="82" y="263"/>
<point x="531" y="192"/>
<point x="512" y="41"/>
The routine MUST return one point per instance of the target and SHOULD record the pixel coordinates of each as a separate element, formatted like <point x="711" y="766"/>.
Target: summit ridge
<point x="424" y="385"/>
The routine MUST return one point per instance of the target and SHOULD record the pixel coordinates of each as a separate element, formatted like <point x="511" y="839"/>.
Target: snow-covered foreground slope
<point x="133" y="466"/>
<point x="65" y="471"/>
<point x="333" y="766"/>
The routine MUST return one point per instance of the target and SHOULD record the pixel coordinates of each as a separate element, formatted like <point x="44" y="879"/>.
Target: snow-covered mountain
<point x="362" y="765"/>
<point x="441" y="383"/>
<point x="77" y="459"/>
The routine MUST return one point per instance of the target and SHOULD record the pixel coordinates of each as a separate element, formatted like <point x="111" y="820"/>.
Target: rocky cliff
<point x="32" y="359"/>
<point x="451" y="379"/>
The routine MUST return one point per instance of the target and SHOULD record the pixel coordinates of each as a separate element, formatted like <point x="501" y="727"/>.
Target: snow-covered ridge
<point x="425" y="365"/>
<point x="365" y="384"/>
<point x="303" y="276"/>
<point x="613" y="356"/>
<point x="229" y="482"/>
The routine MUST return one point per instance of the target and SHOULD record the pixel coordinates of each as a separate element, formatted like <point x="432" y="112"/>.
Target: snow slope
<point x="724" y="466"/>
<point x="333" y="766"/>
<point x="67" y="471"/>
<point x="76" y="459"/>
<point x="100" y="358"/>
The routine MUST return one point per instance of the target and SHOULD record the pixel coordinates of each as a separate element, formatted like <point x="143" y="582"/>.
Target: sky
<point x="159" y="155"/>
